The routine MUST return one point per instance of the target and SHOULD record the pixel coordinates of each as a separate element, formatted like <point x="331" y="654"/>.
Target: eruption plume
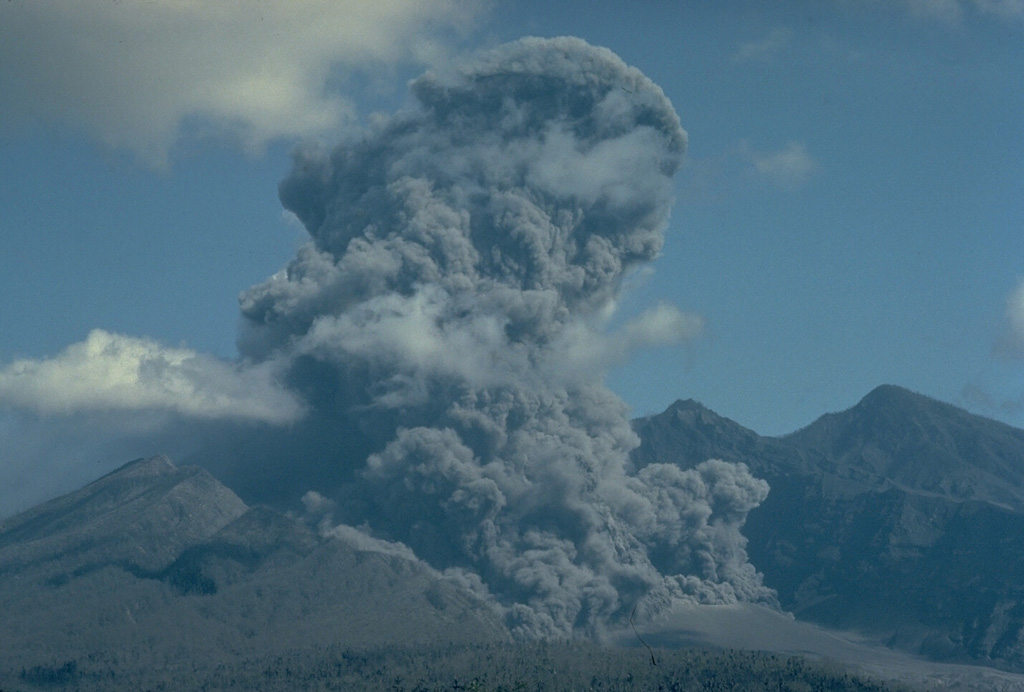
<point x="445" y="326"/>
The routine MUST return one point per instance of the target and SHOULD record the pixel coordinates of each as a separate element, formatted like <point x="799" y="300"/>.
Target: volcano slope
<point x="901" y="518"/>
<point x="160" y="568"/>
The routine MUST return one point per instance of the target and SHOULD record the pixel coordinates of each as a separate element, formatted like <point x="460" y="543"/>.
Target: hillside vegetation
<point x="486" y="668"/>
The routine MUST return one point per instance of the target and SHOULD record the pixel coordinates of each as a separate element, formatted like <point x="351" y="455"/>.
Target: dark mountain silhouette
<point x="901" y="518"/>
<point x="155" y="566"/>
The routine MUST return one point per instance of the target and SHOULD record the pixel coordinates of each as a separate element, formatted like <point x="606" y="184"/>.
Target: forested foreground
<point x="490" y="668"/>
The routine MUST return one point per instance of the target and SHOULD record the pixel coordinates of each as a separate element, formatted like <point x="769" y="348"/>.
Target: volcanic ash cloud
<point x="444" y="324"/>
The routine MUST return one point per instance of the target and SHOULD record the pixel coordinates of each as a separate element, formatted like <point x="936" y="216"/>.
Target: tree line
<point x="536" y="667"/>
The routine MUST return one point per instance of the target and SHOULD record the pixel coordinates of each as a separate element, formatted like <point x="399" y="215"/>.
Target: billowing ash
<point x="445" y="322"/>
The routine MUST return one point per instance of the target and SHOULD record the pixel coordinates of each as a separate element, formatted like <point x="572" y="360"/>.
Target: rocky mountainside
<point x="896" y="437"/>
<point x="901" y="518"/>
<point x="155" y="566"/>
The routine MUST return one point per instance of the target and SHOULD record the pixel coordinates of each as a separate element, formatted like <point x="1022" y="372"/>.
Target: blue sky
<point x="850" y="211"/>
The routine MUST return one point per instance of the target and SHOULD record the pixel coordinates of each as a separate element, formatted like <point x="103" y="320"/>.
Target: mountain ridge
<point x="852" y="536"/>
<point x="923" y="444"/>
<point x="143" y="513"/>
<point x="901" y="518"/>
<point x="156" y="565"/>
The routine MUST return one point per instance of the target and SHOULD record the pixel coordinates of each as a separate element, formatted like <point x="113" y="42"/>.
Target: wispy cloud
<point x="719" y="178"/>
<point x="947" y="11"/>
<point x="980" y="397"/>
<point x="1005" y="9"/>
<point x="765" y="48"/>
<point x="1011" y="342"/>
<point x="132" y="73"/>
<point x="111" y="372"/>
<point x="954" y="12"/>
<point x="787" y="167"/>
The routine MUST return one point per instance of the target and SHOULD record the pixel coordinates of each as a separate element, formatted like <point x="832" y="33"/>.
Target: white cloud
<point x="765" y="48"/>
<point x="132" y="72"/>
<point x="1011" y="343"/>
<point x="111" y="372"/>
<point x="582" y="351"/>
<point x="788" y="167"/>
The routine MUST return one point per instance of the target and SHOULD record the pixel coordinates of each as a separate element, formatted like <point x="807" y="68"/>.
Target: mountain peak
<point x="689" y="409"/>
<point x="889" y="392"/>
<point x="692" y="426"/>
<point x="694" y="413"/>
<point x="894" y="435"/>
<point x="143" y="513"/>
<point x="889" y="409"/>
<point x="143" y="467"/>
<point x="890" y="397"/>
<point x="686" y="405"/>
